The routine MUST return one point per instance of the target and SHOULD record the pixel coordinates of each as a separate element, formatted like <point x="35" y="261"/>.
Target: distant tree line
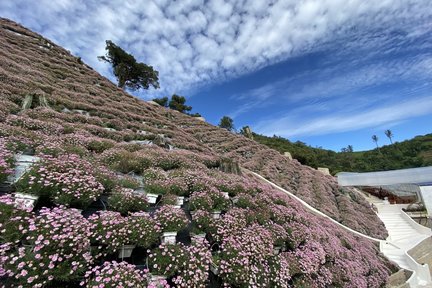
<point x="411" y="153"/>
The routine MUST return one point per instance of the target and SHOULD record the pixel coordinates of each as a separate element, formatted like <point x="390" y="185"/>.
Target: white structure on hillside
<point x="421" y="177"/>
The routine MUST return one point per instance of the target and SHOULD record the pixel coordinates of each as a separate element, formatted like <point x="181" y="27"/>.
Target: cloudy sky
<point x="327" y="72"/>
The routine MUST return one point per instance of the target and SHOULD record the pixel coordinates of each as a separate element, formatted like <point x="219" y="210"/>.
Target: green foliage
<point x="178" y="103"/>
<point x="226" y="123"/>
<point x="163" y="101"/>
<point x="129" y="72"/>
<point x="412" y="153"/>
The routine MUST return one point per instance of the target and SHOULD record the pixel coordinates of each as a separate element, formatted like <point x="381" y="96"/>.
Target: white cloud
<point x="193" y="42"/>
<point x="342" y="120"/>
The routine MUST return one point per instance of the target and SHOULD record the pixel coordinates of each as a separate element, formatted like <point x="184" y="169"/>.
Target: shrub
<point x="60" y="249"/>
<point x="13" y="220"/>
<point x="100" y="146"/>
<point x="66" y="179"/>
<point x="125" y="200"/>
<point x="195" y="273"/>
<point x="202" y="222"/>
<point x="208" y="200"/>
<point x="109" y="231"/>
<point x="253" y="246"/>
<point x="200" y="201"/>
<point x="144" y="230"/>
<point x="115" y="274"/>
<point x="6" y="161"/>
<point x="169" y="199"/>
<point x="167" y="259"/>
<point x="171" y="219"/>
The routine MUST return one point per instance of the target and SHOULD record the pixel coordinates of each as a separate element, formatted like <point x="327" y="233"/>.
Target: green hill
<point x="411" y="153"/>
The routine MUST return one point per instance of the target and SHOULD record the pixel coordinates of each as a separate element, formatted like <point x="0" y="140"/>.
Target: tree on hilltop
<point x="163" y="101"/>
<point x="129" y="73"/>
<point x="375" y="139"/>
<point x="226" y="123"/>
<point x="389" y="135"/>
<point x="178" y="103"/>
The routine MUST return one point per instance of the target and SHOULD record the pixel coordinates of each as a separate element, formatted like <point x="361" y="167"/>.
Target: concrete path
<point x="404" y="234"/>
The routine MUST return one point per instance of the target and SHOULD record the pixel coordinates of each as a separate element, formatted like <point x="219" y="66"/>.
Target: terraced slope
<point x="77" y="117"/>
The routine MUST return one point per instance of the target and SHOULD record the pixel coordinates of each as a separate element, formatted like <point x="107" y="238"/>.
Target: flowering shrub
<point x="243" y="255"/>
<point x="115" y="274"/>
<point x="194" y="273"/>
<point x="13" y="220"/>
<point x="109" y="230"/>
<point x="202" y="222"/>
<point x="60" y="249"/>
<point x="144" y="230"/>
<point x="6" y="161"/>
<point x="169" y="199"/>
<point x="125" y="200"/>
<point x="210" y="199"/>
<point x="200" y="201"/>
<point x="167" y="259"/>
<point x="66" y="179"/>
<point x="170" y="219"/>
<point x="125" y="161"/>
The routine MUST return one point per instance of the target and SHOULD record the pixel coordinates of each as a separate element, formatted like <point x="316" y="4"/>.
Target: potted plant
<point x="13" y="219"/>
<point x="6" y="161"/>
<point x="154" y="183"/>
<point x="200" y="200"/>
<point x="126" y="200"/>
<point x="60" y="238"/>
<point x="144" y="230"/>
<point x="66" y="180"/>
<point x="171" y="221"/>
<point x="166" y="260"/>
<point x="195" y="272"/>
<point x="220" y="203"/>
<point x="202" y="224"/>
<point x="110" y="232"/>
<point x="170" y="199"/>
<point x="115" y="274"/>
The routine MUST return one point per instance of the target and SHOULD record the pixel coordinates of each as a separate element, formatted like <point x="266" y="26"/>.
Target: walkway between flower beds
<point x="404" y="235"/>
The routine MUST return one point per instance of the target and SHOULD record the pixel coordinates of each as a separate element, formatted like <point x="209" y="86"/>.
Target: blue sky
<point x="326" y="72"/>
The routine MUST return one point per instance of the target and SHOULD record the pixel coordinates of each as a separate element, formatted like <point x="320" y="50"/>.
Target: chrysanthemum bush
<point x="188" y="265"/>
<point x="194" y="272"/>
<point x="145" y="231"/>
<point x="13" y="220"/>
<point x="58" y="248"/>
<point x="115" y="274"/>
<point x="209" y="199"/>
<point x="67" y="180"/>
<point x="244" y="257"/>
<point x="203" y="222"/>
<point x="171" y="219"/>
<point x="109" y="231"/>
<point x="6" y="160"/>
<point x="167" y="259"/>
<point x="125" y="200"/>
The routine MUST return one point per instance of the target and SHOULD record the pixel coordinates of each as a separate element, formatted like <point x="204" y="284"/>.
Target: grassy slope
<point x="411" y="153"/>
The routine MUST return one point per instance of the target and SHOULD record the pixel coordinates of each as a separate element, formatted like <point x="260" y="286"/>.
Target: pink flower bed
<point x="115" y="274"/>
<point x="58" y="247"/>
<point x="66" y="180"/>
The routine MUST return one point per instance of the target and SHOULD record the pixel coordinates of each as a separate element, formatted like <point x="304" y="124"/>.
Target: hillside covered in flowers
<point x="130" y="194"/>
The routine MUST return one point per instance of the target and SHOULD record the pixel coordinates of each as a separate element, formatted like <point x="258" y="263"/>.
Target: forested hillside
<point x="411" y="153"/>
